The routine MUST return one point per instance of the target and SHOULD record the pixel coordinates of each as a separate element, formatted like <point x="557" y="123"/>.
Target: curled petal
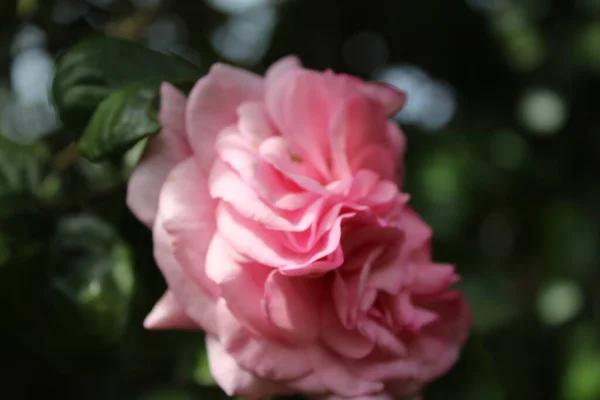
<point x="432" y="278"/>
<point x="228" y="186"/>
<point x="167" y="313"/>
<point x="392" y="99"/>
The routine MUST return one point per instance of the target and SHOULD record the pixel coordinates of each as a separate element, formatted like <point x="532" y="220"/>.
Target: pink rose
<point x="281" y="232"/>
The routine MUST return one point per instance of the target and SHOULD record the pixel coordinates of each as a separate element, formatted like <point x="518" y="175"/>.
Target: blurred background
<point x="503" y="126"/>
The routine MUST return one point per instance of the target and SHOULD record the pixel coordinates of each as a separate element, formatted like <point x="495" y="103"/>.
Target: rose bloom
<point x="281" y="232"/>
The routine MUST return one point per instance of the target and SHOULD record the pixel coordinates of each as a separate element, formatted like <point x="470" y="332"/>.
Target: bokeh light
<point x="238" y="6"/>
<point x="430" y="104"/>
<point x="245" y="38"/>
<point x="559" y="301"/>
<point x="28" y="113"/>
<point x="543" y="111"/>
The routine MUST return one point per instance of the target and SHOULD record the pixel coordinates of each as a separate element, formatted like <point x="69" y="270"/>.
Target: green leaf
<point x="582" y="367"/>
<point x="120" y="121"/>
<point x="22" y="170"/>
<point x="94" y="68"/>
<point x="93" y="278"/>
<point x="22" y="167"/>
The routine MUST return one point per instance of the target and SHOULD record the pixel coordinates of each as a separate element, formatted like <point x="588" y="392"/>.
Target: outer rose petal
<point x="212" y="106"/>
<point x="234" y="380"/>
<point x="168" y="314"/>
<point x="419" y="233"/>
<point x="397" y="141"/>
<point x="338" y="379"/>
<point x="188" y="214"/>
<point x="162" y="153"/>
<point x="197" y="303"/>
<point x="390" y="97"/>
<point x="432" y="353"/>
<point x="281" y="67"/>
<point x="268" y="359"/>
<point x="440" y="343"/>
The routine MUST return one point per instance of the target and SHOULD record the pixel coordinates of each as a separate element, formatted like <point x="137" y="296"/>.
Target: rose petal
<point x="242" y="156"/>
<point x="432" y="278"/>
<point x="254" y="122"/>
<point x="162" y="153"/>
<point x="276" y="151"/>
<point x="397" y="141"/>
<point x="264" y="246"/>
<point x="438" y="346"/>
<point x="376" y="158"/>
<point x="167" y="313"/>
<point x="392" y="99"/>
<point x="338" y="379"/>
<point x="348" y="343"/>
<point x="292" y="304"/>
<point x="198" y="304"/>
<point x="213" y="104"/>
<point x="268" y="359"/>
<point x="383" y="338"/>
<point x="299" y="108"/>
<point x="241" y="287"/>
<point x="282" y="67"/>
<point x="431" y="353"/>
<point x="188" y="216"/>
<point x="358" y="122"/>
<point x="418" y="232"/>
<point x="225" y="184"/>
<point x="408" y="315"/>
<point x="234" y="380"/>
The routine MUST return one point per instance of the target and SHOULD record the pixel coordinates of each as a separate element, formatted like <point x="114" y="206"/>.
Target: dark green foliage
<point x="103" y="90"/>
